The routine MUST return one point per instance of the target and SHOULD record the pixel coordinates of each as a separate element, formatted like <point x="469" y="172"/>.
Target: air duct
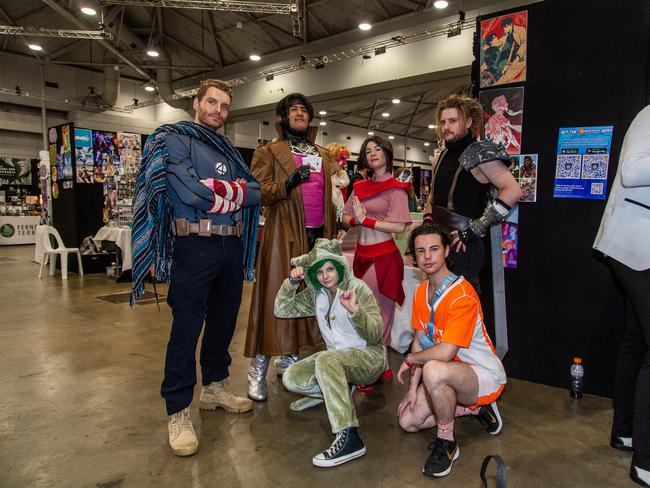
<point x="111" y="81"/>
<point x="166" y="91"/>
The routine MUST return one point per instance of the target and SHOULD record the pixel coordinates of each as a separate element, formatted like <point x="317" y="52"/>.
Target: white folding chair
<point x="43" y="232"/>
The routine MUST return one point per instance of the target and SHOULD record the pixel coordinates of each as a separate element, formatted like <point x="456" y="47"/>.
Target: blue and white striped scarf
<point x="152" y="239"/>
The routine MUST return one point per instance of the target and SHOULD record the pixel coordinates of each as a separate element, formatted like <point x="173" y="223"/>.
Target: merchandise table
<point x="121" y="236"/>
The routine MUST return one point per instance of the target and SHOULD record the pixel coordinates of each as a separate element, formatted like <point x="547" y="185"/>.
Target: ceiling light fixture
<point x="152" y="53"/>
<point x="396" y="100"/>
<point x="255" y="57"/>
<point x="431" y="126"/>
<point x="440" y="4"/>
<point x="323" y="123"/>
<point x="385" y="114"/>
<point x="391" y="137"/>
<point x="322" y="112"/>
<point x="365" y="26"/>
<point x="371" y="133"/>
<point x="88" y="11"/>
<point x="35" y="47"/>
<point x="427" y="144"/>
<point x="149" y="87"/>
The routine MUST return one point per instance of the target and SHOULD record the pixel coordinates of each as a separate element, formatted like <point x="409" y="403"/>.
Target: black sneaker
<point x="442" y="457"/>
<point x="346" y="446"/>
<point x="621" y="443"/>
<point x="489" y="415"/>
<point x="634" y="475"/>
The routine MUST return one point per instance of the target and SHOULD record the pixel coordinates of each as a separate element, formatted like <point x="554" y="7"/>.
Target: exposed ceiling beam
<point x="407" y="4"/>
<point x="372" y="113"/>
<point x="382" y="9"/>
<point x="83" y="25"/>
<point x="193" y="51"/>
<point x="319" y="23"/>
<point x="66" y="49"/>
<point x="213" y="36"/>
<point x="414" y="113"/>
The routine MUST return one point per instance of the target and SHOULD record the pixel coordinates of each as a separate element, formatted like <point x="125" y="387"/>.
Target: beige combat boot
<point x="182" y="438"/>
<point x="217" y="394"/>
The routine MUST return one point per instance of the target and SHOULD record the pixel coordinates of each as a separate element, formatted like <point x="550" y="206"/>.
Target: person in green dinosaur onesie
<point x="351" y="325"/>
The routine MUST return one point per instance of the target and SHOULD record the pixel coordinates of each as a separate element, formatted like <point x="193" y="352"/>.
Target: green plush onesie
<point x="355" y="352"/>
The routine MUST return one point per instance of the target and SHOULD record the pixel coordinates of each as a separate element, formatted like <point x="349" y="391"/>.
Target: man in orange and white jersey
<point x="455" y="370"/>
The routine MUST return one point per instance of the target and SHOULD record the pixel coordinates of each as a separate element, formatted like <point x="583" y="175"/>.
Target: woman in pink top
<point x="379" y="206"/>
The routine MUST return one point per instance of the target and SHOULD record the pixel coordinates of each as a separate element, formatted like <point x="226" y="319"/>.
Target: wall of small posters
<point x="503" y="49"/>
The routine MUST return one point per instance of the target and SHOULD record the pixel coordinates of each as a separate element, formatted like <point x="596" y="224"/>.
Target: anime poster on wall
<point x="582" y="162"/>
<point x="105" y="154"/>
<point x="65" y="150"/>
<point x="503" y="116"/>
<point x="524" y="168"/>
<point x="509" y="243"/>
<point x="83" y="141"/>
<point x="503" y="49"/>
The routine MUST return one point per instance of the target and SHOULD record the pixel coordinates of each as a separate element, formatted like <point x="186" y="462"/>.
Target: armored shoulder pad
<point x="481" y="152"/>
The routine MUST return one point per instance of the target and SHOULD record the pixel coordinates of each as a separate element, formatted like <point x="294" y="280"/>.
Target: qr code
<point x="597" y="188"/>
<point x="568" y="166"/>
<point x="594" y="166"/>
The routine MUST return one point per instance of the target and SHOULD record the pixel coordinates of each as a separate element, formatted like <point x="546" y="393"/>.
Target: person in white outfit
<point x="624" y="237"/>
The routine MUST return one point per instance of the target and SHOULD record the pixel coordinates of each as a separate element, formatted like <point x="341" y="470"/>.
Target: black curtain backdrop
<point x="587" y="66"/>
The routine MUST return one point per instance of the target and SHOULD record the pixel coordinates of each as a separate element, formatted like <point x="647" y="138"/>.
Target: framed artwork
<point x="503" y="49"/>
<point x="503" y="113"/>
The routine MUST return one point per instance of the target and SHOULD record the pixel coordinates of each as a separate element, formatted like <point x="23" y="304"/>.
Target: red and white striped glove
<point x="228" y="195"/>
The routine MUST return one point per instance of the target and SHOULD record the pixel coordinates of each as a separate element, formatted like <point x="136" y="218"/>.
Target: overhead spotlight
<point x="323" y="123"/>
<point x="149" y="87"/>
<point x="427" y="144"/>
<point x="366" y="56"/>
<point x="440" y="4"/>
<point x="391" y="137"/>
<point x="255" y="57"/>
<point x="371" y="133"/>
<point x="152" y="52"/>
<point x="385" y="114"/>
<point x="269" y="77"/>
<point x="135" y="102"/>
<point x="88" y="11"/>
<point x="396" y="100"/>
<point x="322" y="112"/>
<point x="431" y="126"/>
<point x="365" y="26"/>
<point x="18" y="90"/>
<point x="35" y="47"/>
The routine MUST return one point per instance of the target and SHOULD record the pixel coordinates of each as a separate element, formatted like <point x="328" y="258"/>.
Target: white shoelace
<point x="181" y="422"/>
<point x="336" y="445"/>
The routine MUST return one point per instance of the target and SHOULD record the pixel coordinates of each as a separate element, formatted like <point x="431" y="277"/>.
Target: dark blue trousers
<point x="205" y="287"/>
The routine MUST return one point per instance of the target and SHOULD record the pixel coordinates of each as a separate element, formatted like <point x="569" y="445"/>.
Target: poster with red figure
<point x="503" y="113"/>
<point x="503" y="49"/>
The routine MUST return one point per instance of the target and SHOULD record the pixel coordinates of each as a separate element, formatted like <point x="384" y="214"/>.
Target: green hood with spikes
<point x="324" y="250"/>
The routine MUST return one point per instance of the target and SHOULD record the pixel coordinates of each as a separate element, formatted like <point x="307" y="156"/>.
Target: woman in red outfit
<point x="379" y="207"/>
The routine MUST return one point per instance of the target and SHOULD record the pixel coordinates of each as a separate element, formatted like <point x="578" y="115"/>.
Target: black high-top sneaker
<point x="346" y="446"/>
<point x="490" y="416"/>
<point x="442" y="457"/>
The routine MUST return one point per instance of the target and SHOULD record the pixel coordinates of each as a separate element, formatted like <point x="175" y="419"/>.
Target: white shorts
<point x="488" y="389"/>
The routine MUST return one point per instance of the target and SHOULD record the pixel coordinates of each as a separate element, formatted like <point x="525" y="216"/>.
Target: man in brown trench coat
<point x="295" y="182"/>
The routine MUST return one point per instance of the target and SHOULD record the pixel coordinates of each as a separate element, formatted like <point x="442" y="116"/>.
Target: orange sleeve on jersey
<point x="460" y="322"/>
<point x="420" y="312"/>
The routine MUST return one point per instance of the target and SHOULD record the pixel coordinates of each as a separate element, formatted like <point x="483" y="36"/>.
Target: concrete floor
<point x="80" y="407"/>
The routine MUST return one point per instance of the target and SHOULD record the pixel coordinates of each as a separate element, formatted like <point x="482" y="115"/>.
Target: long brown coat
<point x="284" y="236"/>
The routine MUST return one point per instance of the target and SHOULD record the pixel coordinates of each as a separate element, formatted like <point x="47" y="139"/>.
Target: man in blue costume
<point x="195" y="222"/>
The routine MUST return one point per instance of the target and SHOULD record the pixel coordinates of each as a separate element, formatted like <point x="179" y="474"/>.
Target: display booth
<point x="20" y="206"/>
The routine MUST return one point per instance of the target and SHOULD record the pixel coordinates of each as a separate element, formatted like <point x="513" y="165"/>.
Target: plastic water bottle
<point x="577" y="372"/>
